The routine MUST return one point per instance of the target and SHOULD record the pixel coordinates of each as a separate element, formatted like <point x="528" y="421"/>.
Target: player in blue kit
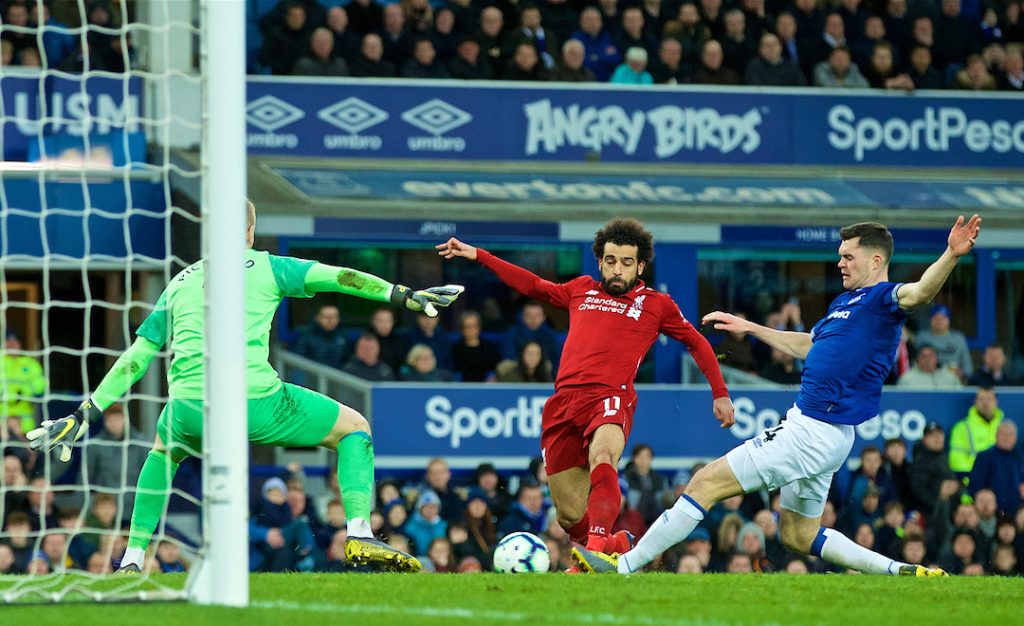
<point x="847" y="356"/>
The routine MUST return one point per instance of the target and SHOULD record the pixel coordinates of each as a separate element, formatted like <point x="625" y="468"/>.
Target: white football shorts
<point x="800" y="455"/>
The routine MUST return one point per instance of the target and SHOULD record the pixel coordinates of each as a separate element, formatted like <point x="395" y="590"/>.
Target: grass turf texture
<point x="643" y="600"/>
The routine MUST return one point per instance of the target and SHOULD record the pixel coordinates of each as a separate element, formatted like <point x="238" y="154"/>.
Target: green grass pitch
<point x="642" y="600"/>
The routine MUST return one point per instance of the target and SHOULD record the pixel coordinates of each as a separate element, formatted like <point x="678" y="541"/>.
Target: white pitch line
<point x="478" y="615"/>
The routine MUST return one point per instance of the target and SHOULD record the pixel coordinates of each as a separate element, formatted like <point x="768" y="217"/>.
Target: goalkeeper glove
<point x="425" y="300"/>
<point x="63" y="432"/>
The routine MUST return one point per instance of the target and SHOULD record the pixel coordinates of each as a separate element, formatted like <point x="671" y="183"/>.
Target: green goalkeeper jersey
<point x="180" y="315"/>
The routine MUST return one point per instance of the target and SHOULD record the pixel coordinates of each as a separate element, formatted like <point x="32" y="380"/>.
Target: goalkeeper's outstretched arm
<point x="127" y="371"/>
<point x="328" y="278"/>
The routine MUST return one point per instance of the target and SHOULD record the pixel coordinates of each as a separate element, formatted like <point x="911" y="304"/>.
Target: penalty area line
<point x="484" y="614"/>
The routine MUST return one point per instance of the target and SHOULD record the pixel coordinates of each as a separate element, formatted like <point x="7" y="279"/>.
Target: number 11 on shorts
<point x="612" y="405"/>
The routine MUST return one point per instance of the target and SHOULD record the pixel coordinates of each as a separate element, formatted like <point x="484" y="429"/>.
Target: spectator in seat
<point x="429" y="333"/>
<point x="324" y="341"/>
<point x="569" y="68"/>
<point x="913" y="550"/>
<point x="395" y="36"/>
<point x="530" y="367"/>
<point x="1011" y="24"/>
<point x="113" y="464"/>
<point x="711" y="71"/>
<point x="426" y="522"/>
<point x="16" y="14"/>
<point x="667" y="68"/>
<point x="809" y="20"/>
<point x="931" y="480"/>
<point x="532" y="326"/>
<point x="421" y="367"/>
<point x="438" y="479"/>
<point x="976" y="432"/>
<point x="832" y="35"/>
<point x="7" y="562"/>
<point x="874" y="32"/>
<point x="975" y="76"/>
<point x="321" y="61"/>
<point x="987" y="506"/>
<point x="286" y="41"/>
<point x="531" y="32"/>
<point x="277" y="541"/>
<point x="992" y="372"/>
<point x="54" y="547"/>
<point x="921" y="71"/>
<point x="922" y="32"/>
<point x="871" y="473"/>
<point x="926" y="373"/>
<point x="560" y="17"/>
<point x="690" y="32"/>
<point x="896" y="19"/>
<point x="489" y="38"/>
<point x="475" y="357"/>
<point x="785" y="30"/>
<point x="392" y="345"/>
<point x="525" y="65"/>
<point x="782" y="369"/>
<point x="949" y="344"/>
<point x="444" y="35"/>
<point x="602" y="56"/>
<point x="628" y="519"/>
<point x="18" y="535"/>
<point x="956" y="36"/>
<point x="854" y="19"/>
<point x="1001" y="470"/>
<point x="371" y="62"/>
<point x="771" y="69"/>
<point x="647" y="488"/>
<point x="22" y="382"/>
<point x="839" y="72"/>
<point x="898" y="468"/>
<point x="882" y="74"/>
<point x="467" y="64"/>
<point x="424" y="63"/>
<point x="527" y="515"/>
<point x="365" y="16"/>
<point x="41" y="509"/>
<point x="365" y="362"/>
<point x="738" y="350"/>
<point x="419" y="16"/>
<point x="489" y="482"/>
<point x="737" y="48"/>
<point x="1004" y="561"/>
<point x="962" y="552"/>
<point x="755" y="18"/>
<point x="346" y="39"/>
<point x="634" y="70"/>
<point x="632" y="33"/>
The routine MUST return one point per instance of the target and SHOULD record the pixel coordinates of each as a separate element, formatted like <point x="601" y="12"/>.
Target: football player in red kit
<point x="612" y="324"/>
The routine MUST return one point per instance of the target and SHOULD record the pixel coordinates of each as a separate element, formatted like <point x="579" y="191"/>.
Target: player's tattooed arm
<point x="792" y="343"/>
<point x="960" y="242"/>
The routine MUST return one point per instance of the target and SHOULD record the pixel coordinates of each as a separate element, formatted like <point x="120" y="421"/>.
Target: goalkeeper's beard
<point x="617" y="285"/>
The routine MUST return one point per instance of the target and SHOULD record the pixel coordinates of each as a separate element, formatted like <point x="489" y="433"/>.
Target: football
<point x="521" y="553"/>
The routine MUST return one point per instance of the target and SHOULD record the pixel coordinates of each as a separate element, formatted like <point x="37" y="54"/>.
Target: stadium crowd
<point x="957" y="502"/>
<point x="885" y="44"/>
<point x="34" y="37"/>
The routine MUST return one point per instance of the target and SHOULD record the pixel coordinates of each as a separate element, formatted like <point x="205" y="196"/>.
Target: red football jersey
<point x="609" y="335"/>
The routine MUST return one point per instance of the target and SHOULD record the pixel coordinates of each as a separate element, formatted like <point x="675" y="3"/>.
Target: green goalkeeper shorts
<point x="293" y="416"/>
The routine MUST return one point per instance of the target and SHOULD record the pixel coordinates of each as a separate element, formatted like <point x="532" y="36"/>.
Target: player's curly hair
<point x="625" y="231"/>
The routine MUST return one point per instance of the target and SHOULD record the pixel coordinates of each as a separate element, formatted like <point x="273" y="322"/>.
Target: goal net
<point x="101" y="202"/>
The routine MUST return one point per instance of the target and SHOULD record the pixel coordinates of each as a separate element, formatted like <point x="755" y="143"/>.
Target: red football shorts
<point x="572" y="415"/>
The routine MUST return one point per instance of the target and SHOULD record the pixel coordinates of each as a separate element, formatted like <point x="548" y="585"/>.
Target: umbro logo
<point x="857" y="299"/>
<point x="352" y="115"/>
<point x="269" y="113"/>
<point x="436" y="117"/>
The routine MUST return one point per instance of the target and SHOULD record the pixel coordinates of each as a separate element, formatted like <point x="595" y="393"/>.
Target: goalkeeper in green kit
<point x="279" y="413"/>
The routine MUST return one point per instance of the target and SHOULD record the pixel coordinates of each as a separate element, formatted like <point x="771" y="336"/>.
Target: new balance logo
<point x="352" y="115"/>
<point x="269" y="113"/>
<point x="436" y="117"/>
<point x="592" y="292"/>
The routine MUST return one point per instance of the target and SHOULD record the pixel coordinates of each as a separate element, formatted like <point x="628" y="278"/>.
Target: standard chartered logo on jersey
<point x="675" y="129"/>
<point x="937" y="129"/>
<point x="459" y="423"/>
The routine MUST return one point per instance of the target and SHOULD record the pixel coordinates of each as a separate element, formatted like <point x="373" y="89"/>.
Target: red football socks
<point x="578" y="533"/>
<point x="603" y="505"/>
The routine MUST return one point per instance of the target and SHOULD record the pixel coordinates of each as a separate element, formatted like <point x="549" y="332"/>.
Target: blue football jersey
<point x="854" y="349"/>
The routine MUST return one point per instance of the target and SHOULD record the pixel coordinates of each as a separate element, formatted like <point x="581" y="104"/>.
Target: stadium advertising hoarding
<point x="468" y="424"/>
<point x="451" y="120"/>
<point x="115" y="104"/>
<point x="530" y="187"/>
